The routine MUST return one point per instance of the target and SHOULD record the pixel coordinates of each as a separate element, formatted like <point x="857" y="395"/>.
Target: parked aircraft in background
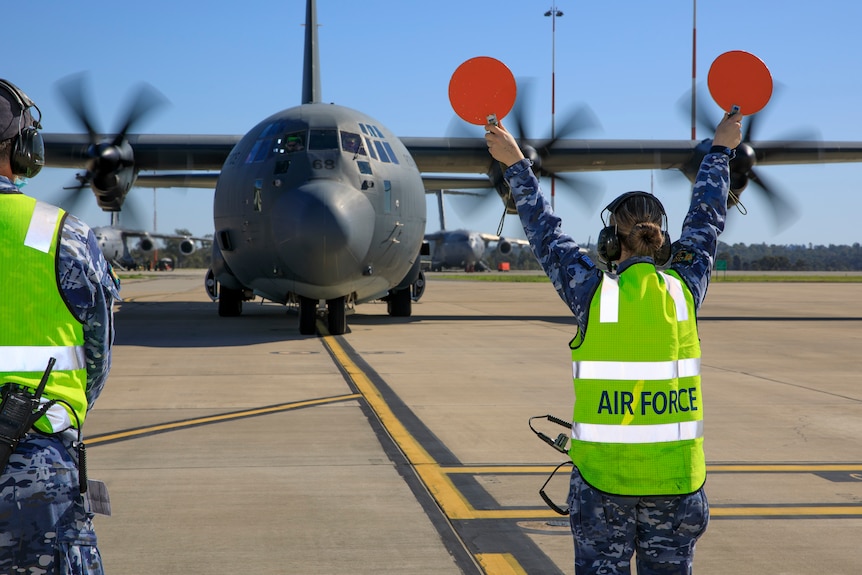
<point x="466" y="250"/>
<point x="114" y="242"/>
<point x="321" y="206"/>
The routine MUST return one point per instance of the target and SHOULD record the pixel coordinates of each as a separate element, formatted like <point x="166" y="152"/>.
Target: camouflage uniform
<point x="608" y="529"/>
<point x="45" y="523"/>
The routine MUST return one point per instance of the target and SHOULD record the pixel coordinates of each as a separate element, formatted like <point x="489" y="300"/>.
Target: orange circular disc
<point x="480" y="87"/>
<point x="741" y="79"/>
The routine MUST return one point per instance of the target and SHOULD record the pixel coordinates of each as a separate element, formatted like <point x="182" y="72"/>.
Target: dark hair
<point x="6" y="150"/>
<point x="639" y="222"/>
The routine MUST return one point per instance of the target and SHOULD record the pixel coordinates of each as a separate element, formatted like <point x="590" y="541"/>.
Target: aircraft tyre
<point x="229" y="302"/>
<point x="418" y="287"/>
<point x="336" y="315"/>
<point x="307" y="315"/>
<point x="400" y="303"/>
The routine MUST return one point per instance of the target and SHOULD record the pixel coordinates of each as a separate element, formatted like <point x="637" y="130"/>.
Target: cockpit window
<point x="323" y="140"/>
<point x="294" y="142"/>
<point x="391" y="152"/>
<point x="381" y="151"/>
<point x="271" y="130"/>
<point x="259" y="152"/>
<point x="370" y="147"/>
<point x="351" y="143"/>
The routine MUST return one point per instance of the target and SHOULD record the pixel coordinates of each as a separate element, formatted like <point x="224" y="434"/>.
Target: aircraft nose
<point x="323" y="229"/>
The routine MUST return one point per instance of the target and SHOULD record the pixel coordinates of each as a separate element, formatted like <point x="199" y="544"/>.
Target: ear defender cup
<point x="28" y="153"/>
<point x="28" y="150"/>
<point x="608" y="244"/>
<point x="662" y="256"/>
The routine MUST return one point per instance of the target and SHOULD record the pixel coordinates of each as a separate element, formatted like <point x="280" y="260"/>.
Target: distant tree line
<point x="736" y="257"/>
<point x="763" y="257"/>
<point x="741" y="257"/>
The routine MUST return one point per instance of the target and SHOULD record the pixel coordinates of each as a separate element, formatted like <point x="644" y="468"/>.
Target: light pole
<point x="553" y="13"/>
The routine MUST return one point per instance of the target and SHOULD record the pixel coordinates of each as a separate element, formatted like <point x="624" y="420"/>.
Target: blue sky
<point x="225" y="66"/>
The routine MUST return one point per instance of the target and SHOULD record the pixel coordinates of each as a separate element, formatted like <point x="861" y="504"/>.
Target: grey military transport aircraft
<point x="114" y="242"/>
<point x="466" y="249"/>
<point x="320" y="203"/>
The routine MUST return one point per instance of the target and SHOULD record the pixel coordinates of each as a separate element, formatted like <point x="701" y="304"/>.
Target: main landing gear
<point x="336" y="315"/>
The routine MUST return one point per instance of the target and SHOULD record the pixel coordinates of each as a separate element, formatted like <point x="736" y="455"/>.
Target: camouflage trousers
<point x="45" y="524"/>
<point x="610" y="529"/>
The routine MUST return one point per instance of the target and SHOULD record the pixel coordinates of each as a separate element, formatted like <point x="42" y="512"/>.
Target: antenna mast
<point x="693" y="70"/>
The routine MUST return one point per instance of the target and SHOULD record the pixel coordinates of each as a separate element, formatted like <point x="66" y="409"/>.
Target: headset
<point x="609" y="244"/>
<point x="28" y="150"/>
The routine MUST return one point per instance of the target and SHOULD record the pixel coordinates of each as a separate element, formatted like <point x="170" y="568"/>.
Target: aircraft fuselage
<point x="318" y="201"/>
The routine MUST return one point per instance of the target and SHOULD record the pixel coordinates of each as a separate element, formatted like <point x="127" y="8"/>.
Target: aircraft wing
<point x="191" y="152"/>
<point x="470" y="155"/>
<point x="195" y="160"/>
<point x="205" y="180"/>
<point x="143" y="234"/>
<point x="452" y="184"/>
<point x="180" y="237"/>
<point x="198" y="152"/>
<point x="489" y="238"/>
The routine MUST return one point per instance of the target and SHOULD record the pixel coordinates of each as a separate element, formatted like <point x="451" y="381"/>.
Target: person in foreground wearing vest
<point x="57" y="304"/>
<point x="637" y="436"/>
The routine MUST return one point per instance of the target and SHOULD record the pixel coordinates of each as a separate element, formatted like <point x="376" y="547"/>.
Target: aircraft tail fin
<point x="311" y="62"/>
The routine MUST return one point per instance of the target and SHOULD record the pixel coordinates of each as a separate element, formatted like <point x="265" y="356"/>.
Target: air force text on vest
<point x="658" y="402"/>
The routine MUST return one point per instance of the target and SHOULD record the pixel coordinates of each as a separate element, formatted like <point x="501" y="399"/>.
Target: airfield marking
<point x="186" y="423"/>
<point x="457" y="507"/>
<point x="711" y="468"/>
<point x="772" y="510"/>
<point x="451" y="499"/>
<point x="454" y="505"/>
<point x="500" y="564"/>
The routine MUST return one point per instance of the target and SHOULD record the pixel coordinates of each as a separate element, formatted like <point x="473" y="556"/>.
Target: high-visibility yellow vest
<point x="36" y="321"/>
<point x="638" y="416"/>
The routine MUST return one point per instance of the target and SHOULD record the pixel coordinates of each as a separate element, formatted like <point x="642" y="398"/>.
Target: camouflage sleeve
<point x="693" y="254"/>
<point x="90" y="288"/>
<point x="572" y="273"/>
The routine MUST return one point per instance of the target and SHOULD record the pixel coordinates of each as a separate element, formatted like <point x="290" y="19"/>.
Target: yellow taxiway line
<point x="96" y="439"/>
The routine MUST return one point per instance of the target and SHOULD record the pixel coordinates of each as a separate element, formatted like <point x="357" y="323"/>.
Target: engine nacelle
<point x="504" y="247"/>
<point x="146" y="244"/>
<point x="187" y="247"/>
<point x="111" y="171"/>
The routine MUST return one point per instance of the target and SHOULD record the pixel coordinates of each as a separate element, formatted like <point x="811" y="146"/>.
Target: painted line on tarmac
<point x="500" y="564"/>
<point x="437" y="478"/>
<point x="198" y="421"/>
<point x="443" y="502"/>
<point x="454" y="505"/>
<point x="782" y="511"/>
<point x="753" y="511"/>
<point x="710" y="468"/>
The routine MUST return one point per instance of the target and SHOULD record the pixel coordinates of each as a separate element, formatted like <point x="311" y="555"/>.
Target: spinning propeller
<point x="483" y="87"/>
<point x="741" y="79"/>
<point x="576" y="122"/>
<point x="110" y="159"/>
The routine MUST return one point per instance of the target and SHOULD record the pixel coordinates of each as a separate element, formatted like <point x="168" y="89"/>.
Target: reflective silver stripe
<point x="35" y="357"/>
<point x="636" y="370"/>
<point x="609" y="304"/>
<point x="57" y="416"/>
<point x="40" y="234"/>
<point x="661" y="433"/>
<point x="674" y="288"/>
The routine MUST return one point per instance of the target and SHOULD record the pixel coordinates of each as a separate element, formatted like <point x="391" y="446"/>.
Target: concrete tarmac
<point x="235" y="445"/>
